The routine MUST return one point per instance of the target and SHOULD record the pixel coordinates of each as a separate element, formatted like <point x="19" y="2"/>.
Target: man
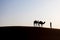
<point x="50" y="25"/>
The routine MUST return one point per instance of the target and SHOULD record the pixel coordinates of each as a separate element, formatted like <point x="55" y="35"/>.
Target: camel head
<point x="44" y="22"/>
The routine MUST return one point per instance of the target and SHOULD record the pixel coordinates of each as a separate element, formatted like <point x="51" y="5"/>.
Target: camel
<point x="38" y="23"/>
<point x="41" y="23"/>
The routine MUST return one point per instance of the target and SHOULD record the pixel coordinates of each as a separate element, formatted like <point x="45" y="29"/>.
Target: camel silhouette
<point x="41" y="23"/>
<point x="38" y="23"/>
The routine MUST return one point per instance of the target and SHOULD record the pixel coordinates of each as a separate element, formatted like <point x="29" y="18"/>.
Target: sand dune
<point x="33" y="33"/>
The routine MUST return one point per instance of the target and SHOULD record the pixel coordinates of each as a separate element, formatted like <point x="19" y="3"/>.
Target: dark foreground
<point x="30" y="33"/>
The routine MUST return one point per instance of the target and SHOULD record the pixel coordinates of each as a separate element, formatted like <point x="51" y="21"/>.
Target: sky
<point x="24" y="12"/>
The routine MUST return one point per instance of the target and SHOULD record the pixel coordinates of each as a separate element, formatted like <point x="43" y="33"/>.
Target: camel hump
<point x="35" y="21"/>
<point x="41" y="21"/>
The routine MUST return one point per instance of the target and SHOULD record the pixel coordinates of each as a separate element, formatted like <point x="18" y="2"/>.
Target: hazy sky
<point x="24" y="12"/>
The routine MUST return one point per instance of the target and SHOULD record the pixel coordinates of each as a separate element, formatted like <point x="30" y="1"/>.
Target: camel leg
<point x="41" y="25"/>
<point x="34" y="24"/>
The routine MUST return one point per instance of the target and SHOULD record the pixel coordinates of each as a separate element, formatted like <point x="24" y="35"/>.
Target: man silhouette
<point x="50" y="25"/>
